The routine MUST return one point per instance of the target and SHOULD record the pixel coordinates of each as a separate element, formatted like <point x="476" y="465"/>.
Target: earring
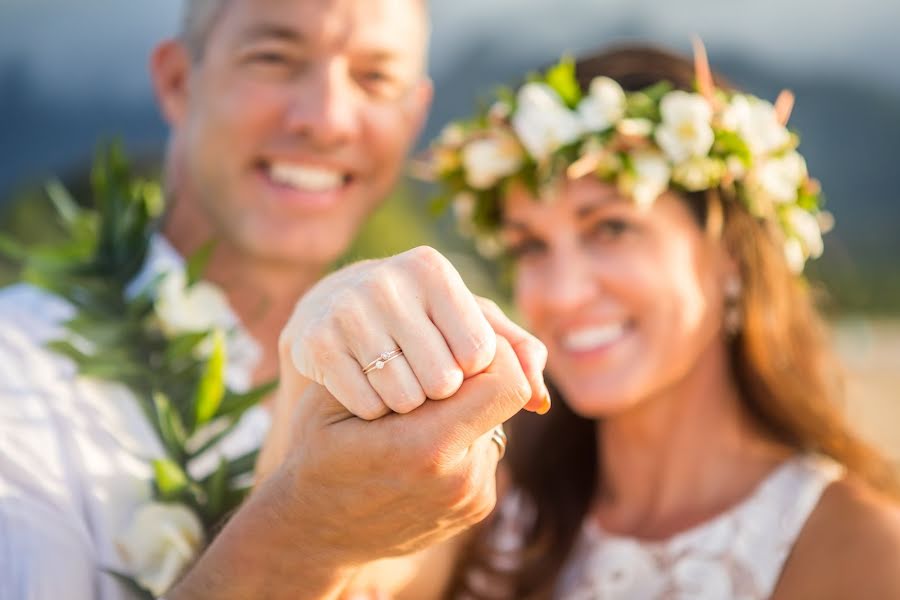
<point x="734" y="316"/>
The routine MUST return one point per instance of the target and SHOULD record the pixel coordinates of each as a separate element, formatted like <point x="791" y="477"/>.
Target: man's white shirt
<point x="75" y="452"/>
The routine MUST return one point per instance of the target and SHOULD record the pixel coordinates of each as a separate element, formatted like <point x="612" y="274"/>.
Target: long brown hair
<point x="783" y="363"/>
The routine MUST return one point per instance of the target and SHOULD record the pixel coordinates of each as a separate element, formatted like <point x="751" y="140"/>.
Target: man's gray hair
<point x="197" y="21"/>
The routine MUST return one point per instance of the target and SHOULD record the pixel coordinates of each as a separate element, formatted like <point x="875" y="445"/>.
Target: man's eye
<point x="526" y="249"/>
<point x="269" y="58"/>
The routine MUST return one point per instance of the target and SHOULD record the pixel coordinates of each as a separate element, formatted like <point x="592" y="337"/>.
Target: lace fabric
<point x="738" y="554"/>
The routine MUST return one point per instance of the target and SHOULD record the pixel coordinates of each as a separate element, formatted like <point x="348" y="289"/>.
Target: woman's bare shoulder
<point x="849" y="548"/>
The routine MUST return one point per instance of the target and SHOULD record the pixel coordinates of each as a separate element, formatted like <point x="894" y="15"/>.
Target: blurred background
<point x="73" y="75"/>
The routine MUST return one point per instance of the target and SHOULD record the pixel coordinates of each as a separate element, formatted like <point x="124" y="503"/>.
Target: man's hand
<point x="352" y="491"/>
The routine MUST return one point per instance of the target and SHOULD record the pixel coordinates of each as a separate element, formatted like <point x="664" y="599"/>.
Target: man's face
<point x="296" y="119"/>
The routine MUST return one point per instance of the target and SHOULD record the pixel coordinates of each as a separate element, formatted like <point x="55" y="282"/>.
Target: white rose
<point x="201" y="307"/>
<point x="780" y="178"/>
<point x="686" y="129"/>
<point x="542" y="122"/>
<point x="805" y="227"/>
<point x="160" y="542"/>
<point x="650" y="178"/>
<point x="604" y="106"/>
<point x="487" y="160"/>
<point x="755" y="121"/>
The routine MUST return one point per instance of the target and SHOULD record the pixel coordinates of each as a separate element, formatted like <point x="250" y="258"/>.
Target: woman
<point x="657" y="237"/>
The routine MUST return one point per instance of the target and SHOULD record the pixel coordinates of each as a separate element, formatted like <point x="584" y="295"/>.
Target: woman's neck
<point x="682" y="456"/>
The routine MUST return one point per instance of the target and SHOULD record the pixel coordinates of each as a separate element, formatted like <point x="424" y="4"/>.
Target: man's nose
<point x="326" y="106"/>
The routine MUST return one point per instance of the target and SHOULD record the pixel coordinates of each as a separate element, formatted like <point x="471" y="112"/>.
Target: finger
<point x="483" y="402"/>
<point x="428" y="355"/>
<point x="345" y="381"/>
<point x="397" y="385"/>
<point x="454" y="311"/>
<point x="531" y="352"/>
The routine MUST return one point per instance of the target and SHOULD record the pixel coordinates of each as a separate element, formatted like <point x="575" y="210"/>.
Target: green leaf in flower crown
<point x="170" y="479"/>
<point x="729" y="143"/>
<point x="211" y="388"/>
<point x="170" y="425"/>
<point x="562" y="79"/>
<point x="196" y="264"/>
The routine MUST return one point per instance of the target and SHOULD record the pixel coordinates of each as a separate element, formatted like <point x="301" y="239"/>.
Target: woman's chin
<point x="598" y="401"/>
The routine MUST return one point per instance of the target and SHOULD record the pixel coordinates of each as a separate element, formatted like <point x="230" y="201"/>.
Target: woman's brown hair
<point x="782" y="360"/>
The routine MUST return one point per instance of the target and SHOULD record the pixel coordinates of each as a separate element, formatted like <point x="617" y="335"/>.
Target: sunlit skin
<point x="333" y="85"/>
<point x="630" y="303"/>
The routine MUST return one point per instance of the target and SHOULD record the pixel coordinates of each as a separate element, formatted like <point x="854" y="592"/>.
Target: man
<point x="289" y="120"/>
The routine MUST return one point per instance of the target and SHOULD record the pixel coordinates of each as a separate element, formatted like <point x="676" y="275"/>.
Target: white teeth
<point x="590" y="338"/>
<point x="308" y="179"/>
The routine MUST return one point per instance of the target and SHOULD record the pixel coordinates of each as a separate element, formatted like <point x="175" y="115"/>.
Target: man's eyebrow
<point x="272" y="31"/>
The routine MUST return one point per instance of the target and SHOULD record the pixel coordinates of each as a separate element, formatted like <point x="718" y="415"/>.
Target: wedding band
<point x="383" y="359"/>
<point x="498" y="436"/>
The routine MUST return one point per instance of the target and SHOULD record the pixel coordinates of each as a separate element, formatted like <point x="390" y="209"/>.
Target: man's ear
<point x="170" y="67"/>
<point x="422" y="97"/>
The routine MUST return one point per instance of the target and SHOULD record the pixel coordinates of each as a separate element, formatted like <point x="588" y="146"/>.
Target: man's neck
<point x="261" y="292"/>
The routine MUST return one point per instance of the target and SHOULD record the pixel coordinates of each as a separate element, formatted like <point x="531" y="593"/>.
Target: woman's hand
<point x="415" y="302"/>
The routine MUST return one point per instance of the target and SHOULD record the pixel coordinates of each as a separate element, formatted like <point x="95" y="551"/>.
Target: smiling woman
<point x="657" y="232"/>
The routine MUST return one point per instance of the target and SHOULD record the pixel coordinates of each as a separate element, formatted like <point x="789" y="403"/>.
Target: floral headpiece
<point x="644" y="142"/>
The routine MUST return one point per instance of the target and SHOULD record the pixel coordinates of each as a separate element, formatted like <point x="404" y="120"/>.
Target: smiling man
<point x="290" y="121"/>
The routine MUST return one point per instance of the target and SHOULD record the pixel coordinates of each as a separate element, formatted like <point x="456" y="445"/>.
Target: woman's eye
<point x="608" y="229"/>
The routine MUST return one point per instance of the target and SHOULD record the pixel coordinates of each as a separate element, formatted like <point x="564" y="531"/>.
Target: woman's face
<point x="627" y="300"/>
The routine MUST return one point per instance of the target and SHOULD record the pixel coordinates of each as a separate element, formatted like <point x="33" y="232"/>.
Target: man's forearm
<point x="262" y="554"/>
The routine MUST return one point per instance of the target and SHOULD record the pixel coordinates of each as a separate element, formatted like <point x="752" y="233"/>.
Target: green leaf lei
<point x="178" y="380"/>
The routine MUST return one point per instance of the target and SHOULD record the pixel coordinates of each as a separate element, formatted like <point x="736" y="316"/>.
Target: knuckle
<point x="480" y="354"/>
<point x="444" y="383"/>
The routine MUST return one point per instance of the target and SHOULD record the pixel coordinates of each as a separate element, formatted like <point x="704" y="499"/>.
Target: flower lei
<point x="176" y="371"/>
<point x="644" y="142"/>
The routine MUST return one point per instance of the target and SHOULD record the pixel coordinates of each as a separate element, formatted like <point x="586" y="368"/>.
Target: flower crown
<point x="645" y="142"/>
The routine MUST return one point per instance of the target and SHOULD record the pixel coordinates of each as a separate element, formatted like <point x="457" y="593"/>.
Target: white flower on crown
<point x="489" y="159"/>
<point x="686" y="129"/>
<point x="200" y="307"/>
<point x="805" y="227"/>
<point x="542" y="122"/>
<point x="161" y="541"/>
<point x="698" y="173"/>
<point x="650" y="177"/>
<point x="755" y="121"/>
<point x="780" y="178"/>
<point x="463" y="205"/>
<point x="604" y="106"/>
<point x="794" y="255"/>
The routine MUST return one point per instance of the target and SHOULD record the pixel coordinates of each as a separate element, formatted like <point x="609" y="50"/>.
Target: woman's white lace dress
<point x="738" y="554"/>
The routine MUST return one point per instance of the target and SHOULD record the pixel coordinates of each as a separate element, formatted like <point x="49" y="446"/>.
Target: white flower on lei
<point x="650" y="177"/>
<point x="755" y="121"/>
<point x="160" y="542"/>
<point x="604" y="106"/>
<point x="686" y="130"/>
<point x="542" y="122"/>
<point x="200" y="307"/>
<point x="780" y="178"/>
<point x="489" y="159"/>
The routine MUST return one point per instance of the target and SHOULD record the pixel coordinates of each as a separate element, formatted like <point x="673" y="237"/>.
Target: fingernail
<point x="544" y="408"/>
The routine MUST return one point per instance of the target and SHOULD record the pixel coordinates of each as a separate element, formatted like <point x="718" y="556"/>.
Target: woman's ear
<point x="170" y="66"/>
